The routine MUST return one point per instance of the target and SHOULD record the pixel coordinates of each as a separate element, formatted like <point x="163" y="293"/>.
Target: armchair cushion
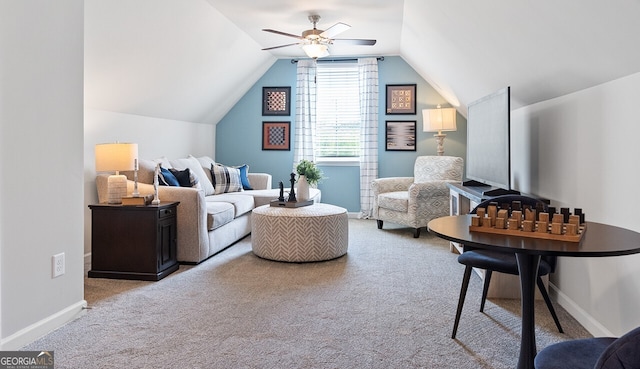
<point x="398" y="201"/>
<point x="437" y="168"/>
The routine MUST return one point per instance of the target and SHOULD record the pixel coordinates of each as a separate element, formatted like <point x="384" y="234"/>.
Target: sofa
<point x="215" y="205"/>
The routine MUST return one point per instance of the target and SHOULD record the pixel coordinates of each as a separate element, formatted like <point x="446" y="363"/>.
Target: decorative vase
<point x="303" y="188"/>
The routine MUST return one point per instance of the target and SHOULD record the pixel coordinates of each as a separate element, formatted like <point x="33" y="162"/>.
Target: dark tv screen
<point x="488" y="140"/>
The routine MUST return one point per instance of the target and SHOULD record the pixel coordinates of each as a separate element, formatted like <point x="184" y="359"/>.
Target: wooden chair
<point x="502" y="262"/>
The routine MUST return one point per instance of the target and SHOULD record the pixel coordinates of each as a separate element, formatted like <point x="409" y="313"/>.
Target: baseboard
<point x="43" y="327"/>
<point x="587" y="321"/>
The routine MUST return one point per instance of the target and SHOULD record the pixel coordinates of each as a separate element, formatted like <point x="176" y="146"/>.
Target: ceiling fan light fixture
<point x="315" y="50"/>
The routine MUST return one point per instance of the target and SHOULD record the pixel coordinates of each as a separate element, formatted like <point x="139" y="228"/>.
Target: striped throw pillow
<point x="225" y="179"/>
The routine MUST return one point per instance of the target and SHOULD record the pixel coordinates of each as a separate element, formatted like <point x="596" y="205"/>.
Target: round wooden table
<point x="598" y="240"/>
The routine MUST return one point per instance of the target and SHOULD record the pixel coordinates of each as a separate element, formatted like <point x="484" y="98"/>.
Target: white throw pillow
<point x="195" y="167"/>
<point x="206" y="163"/>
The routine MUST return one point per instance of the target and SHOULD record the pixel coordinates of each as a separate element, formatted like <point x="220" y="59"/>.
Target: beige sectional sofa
<point x="208" y="222"/>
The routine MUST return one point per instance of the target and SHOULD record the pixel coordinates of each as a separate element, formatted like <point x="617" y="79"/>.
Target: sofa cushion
<point x="398" y="201"/>
<point x="225" y="179"/>
<point x="219" y="213"/>
<point x="241" y="203"/>
<point x="193" y="165"/>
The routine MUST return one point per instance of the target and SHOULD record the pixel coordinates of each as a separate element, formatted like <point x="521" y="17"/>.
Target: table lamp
<point x="438" y="120"/>
<point x="116" y="157"/>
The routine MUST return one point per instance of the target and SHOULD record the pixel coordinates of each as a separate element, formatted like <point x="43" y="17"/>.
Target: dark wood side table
<point x="133" y="242"/>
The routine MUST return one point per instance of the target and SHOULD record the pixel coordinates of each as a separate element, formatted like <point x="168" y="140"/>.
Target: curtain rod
<point x="380" y="58"/>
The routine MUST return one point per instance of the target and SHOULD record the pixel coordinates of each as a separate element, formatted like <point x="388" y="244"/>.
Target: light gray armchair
<point x="414" y="201"/>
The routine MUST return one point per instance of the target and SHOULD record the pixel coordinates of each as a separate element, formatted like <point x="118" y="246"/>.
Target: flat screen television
<point x="488" y="143"/>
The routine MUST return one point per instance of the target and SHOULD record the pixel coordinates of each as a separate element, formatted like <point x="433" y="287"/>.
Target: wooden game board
<point x="545" y="236"/>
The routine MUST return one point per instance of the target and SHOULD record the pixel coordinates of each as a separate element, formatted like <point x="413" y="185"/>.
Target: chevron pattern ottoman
<point x="310" y="233"/>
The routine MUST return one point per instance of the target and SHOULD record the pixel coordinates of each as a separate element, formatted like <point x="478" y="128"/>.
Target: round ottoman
<point x="309" y="233"/>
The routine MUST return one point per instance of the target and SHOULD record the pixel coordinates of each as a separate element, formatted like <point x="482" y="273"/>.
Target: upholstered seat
<point x="414" y="201"/>
<point x="592" y="353"/>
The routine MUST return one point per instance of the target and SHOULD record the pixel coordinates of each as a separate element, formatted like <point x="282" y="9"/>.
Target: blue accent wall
<point x="239" y="133"/>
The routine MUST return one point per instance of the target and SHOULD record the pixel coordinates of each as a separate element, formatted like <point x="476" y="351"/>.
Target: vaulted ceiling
<point x="192" y="60"/>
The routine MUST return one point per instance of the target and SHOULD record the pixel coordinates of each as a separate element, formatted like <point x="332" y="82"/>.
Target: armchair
<point x="414" y="201"/>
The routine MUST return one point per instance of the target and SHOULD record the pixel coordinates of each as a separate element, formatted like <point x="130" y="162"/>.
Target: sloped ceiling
<point x="192" y="60"/>
<point x="179" y="60"/>
<point x="542" y="49"/>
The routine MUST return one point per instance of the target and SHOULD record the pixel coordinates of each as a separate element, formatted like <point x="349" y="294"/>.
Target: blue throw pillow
<point x="166" y="178"/>
<point x="244" y="178"/>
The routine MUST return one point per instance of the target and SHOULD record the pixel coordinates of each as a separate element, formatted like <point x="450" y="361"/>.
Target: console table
<point x="599" y="240"/>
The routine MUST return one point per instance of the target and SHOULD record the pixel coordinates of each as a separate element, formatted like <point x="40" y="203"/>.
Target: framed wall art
<point x="400" y="135"/>
<point x="275" y="136"/>
<point x="401" y="99"/>
<point x="276" y="101"/>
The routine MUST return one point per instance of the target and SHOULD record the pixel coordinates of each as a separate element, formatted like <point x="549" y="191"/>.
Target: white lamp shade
<point x="113" y="157"/>
<point x="437" y="120"/>
<point x="315" y="50"/>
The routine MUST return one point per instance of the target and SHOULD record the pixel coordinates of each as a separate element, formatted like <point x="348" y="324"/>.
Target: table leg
<point x="528" y="269"/>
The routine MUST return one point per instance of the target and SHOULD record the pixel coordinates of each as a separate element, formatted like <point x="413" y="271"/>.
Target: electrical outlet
<point x="57" y="265"/>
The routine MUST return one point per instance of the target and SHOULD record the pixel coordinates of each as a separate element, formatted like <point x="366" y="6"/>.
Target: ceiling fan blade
<point x="353" y="41"/>
<point x="335" y="30"/>
<point x="282" y="33"/>
<point x="277" y="47"/>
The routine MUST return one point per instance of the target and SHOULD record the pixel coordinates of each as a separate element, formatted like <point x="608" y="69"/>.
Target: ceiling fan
<point x="315" y="42"/>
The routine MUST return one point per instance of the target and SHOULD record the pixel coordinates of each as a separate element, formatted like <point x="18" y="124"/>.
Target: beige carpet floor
<point x="389" y="303"/>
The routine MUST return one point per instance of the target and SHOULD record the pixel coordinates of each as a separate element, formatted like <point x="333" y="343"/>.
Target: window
<point x="337" y="111"/>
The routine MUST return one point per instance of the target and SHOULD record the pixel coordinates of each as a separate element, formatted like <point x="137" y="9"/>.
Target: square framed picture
<point x="276" y="101"/>
<point x="400" y="135"/>
<point x="401" y="99"/>
<point x="275" y="136"/>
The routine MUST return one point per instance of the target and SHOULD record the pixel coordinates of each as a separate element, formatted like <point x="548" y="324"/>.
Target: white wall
<point x="155" y="138"/>
<point x="41" y="155"/>
<point x="581" y="150"/>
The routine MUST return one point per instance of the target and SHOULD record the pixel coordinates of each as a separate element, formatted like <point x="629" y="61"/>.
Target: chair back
<point x="622" y="353"/>
<point x="438" y="168"/>
<point x="509" y="199"/>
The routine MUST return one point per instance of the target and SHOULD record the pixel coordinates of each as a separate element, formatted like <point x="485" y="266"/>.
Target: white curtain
<point x="368" y="70"/>
<point x="305" y="111"/>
